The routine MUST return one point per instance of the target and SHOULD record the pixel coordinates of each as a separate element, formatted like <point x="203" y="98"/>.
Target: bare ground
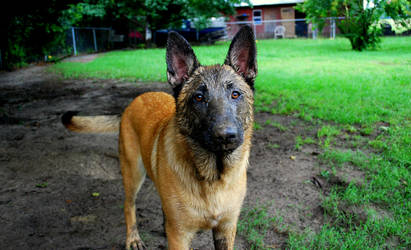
<point x="62" y="190"/>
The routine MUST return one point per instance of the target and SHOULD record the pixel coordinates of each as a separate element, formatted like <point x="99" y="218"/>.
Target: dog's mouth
<point x="230" y="146"/>
<point x="224" y="147"/>
<point x="217" y="144"/>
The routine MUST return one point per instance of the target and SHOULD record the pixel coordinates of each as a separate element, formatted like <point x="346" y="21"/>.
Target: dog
<point x="193" y="145"/>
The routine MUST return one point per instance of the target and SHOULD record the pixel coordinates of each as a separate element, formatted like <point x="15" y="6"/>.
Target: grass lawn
<point x="324" y="82"/>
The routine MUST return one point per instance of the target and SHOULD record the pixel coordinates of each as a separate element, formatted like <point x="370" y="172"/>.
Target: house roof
<point x="269" y="2"/>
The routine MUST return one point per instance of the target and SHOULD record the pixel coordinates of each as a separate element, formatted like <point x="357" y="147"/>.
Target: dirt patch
<point x="82" y="59"/>
<point x="62" y="190"/>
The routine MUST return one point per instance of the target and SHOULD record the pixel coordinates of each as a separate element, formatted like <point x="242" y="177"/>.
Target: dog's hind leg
<point x="133" y="172"/>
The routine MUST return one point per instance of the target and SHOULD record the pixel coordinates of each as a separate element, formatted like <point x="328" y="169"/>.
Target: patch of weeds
<point x="254" y="224"/>
<point x="325" y="174"/>
<point x="353" y="195"/>
<point x="328" y="131"/>
<point x="305" y="116"/>
<point x="350" y="129"/>
<point x="366" y="130"/>
<point x="399" y="141"/>
<point x="277" y="125"/>
<point x="372" y="234"/>
<point x="299" y="142"/>
<point x="338" y="158"/>
<point x="273" y="145"/>
<point x="326" y="135"/>
<point x="378" y="144"/>
<point x="257" y="126"/>
<point x="293" y="123"/>
<point x="356" y="141"/>
<point x="353" y="224"/>
<point x="42" y="185"/>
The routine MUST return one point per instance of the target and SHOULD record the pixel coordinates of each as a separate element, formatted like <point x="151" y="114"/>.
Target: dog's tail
<point x="91" y="124"/>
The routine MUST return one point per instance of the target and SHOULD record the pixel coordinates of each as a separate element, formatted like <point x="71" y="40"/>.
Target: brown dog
<point x="193" y="146"/>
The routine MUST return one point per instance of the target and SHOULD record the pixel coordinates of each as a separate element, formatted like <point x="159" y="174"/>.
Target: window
<point x="257" y="16"/>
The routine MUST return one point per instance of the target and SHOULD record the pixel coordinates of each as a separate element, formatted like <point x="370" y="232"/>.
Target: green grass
<point x="299" y="141"/>
<point x="325" y="82"/>
<point x="255" y="223"/>
<point x="277" y="125"/>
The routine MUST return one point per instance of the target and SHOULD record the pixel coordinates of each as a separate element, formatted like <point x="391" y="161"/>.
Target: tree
<point x="170" y="13"/>
<point x="151" y="14"/>
<point x="360" y="17"/>
<point x="164" y="14"/>
<point x="31" y="30"/>
<point x="158" y="14"/>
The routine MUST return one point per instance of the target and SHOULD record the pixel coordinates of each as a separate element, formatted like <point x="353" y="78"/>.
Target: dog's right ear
<point x="242" y="55"/>
<point x="181" y="61"/>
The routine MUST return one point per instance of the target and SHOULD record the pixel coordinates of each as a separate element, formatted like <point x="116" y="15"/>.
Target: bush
<point x="361" y="18"/>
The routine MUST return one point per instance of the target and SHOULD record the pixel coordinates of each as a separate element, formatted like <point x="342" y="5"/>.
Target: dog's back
<point x="148" y="112"/>
<point x="144" y="118"/>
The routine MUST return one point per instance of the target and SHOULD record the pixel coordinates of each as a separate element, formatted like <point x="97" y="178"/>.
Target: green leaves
<point x="170" y="13"/>
<point x="360" y="17"/>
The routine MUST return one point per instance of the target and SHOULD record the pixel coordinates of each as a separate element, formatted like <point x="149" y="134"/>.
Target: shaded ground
<point x="62" y="190"/>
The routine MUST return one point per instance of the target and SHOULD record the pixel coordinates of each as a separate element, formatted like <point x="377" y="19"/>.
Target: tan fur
<point x="94" y="124"/>
<point x="151" y="138"/>
<point x="200" y="187"/>
<point x="193" y="193"/>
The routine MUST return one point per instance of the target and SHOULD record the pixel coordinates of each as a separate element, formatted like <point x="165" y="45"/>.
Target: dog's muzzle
<point x="227" y="138"/>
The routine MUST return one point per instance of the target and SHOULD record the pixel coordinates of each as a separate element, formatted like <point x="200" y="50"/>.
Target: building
<point x="266" y="15"/>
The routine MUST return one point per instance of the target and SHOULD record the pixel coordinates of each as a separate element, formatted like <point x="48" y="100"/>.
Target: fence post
<point x="254" y="29"/>
<point x="333" y="27"/>
<point x="74" y="40"/>
<point x="95" y="40"/>
<point x="315" y="32"/>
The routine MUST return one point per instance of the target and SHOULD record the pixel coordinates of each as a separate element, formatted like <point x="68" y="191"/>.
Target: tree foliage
<point x="170" y="13"/>
<point x="102" y="12"/>
<point x="360" y="17"/>
<point x="31" y="29"/>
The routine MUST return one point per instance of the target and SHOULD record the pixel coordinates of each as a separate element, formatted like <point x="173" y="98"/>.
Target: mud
<point x="62" y="190"/>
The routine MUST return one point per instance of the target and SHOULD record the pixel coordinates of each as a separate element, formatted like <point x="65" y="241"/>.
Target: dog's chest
<point x="213" y="221"/>
<point x="218" y="206"/>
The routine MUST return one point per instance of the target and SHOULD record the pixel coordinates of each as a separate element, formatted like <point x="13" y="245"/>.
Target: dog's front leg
<point x="224" y="235"/>
<point x="177" y="237"/>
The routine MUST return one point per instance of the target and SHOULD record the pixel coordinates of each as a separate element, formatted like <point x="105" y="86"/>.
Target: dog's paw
<point x="134" y="242"/>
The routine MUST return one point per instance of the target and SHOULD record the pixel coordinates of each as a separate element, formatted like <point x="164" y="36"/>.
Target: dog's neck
<point x="211" y="166"/>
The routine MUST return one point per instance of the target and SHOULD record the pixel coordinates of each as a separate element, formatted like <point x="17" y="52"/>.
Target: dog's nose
<point x="226" y="134"/>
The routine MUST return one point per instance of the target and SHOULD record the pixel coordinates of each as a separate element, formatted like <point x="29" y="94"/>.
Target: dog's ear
<point x="242" y="55"/>
<point x="181" y="61"/>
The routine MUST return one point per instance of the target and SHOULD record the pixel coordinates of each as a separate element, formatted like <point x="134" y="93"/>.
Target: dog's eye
<point x="199" y="97"/>
<point x="235" y="94"/>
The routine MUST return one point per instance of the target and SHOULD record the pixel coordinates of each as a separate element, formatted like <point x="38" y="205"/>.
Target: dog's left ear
<point x="181" y="61"/>
<point x="242" y="55"/>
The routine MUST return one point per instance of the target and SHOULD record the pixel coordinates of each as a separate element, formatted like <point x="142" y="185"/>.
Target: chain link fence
<point x="83" y="41"/>
<point x="285" y="28"/>
<point x="91" y="40"/>
<point x="87" y="40"/>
